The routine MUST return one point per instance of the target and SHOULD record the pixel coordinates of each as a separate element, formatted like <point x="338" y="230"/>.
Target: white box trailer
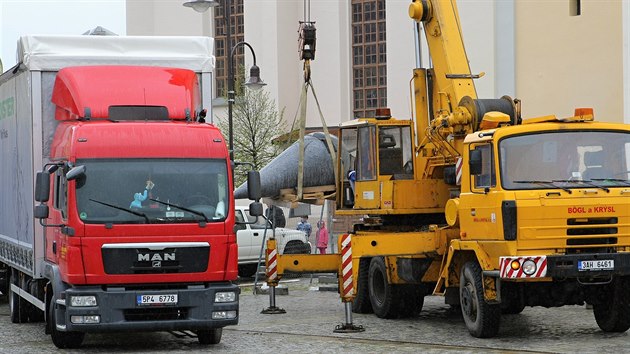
<point x="27" y="120"/>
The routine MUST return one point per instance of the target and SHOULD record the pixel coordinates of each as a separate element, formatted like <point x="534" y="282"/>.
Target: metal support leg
<point x="348" y="327"/>
<point x="272" y="309"/>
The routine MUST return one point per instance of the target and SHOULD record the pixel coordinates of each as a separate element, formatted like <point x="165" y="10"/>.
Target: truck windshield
<point x="565" y="159"/>
<point x="122" y="191"/>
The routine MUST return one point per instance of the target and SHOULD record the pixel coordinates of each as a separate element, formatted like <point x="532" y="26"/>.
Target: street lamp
<point x="201" y="5"/>
<point x="254" y="81"/>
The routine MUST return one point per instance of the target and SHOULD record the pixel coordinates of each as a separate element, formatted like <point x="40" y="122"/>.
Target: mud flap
<point x="491" y="289"/>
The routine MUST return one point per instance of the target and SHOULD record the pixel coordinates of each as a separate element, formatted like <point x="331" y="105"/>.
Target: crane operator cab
<point x="374" y="154"/>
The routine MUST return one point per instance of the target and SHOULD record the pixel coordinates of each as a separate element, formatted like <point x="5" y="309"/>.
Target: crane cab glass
<point x="371" y="154"/>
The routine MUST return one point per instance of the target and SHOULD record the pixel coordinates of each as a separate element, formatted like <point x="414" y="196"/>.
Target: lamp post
<point x="254" y="80"/>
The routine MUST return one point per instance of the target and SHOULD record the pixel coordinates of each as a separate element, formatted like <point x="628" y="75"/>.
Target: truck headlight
<point x="223" y="315"/>
<point x="89" y="319"/>
<point x="226" y="296"/>
<point x="83" y="301"/>
<point x="529" y="267"/>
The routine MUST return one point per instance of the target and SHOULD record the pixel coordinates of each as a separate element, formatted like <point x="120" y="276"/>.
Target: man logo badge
<point x="157" y="264"/>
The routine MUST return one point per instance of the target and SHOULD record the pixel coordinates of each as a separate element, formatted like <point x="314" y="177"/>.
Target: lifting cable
<point x="307" y="41"/>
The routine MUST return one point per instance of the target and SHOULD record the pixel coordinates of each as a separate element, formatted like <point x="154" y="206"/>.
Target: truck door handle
<point x="54" y="247"/>
<point x="255" y="233"/>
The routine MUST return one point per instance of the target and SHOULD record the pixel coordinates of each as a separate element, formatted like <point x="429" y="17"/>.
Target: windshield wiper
<point x="137" y="213"/>
<point x="192" y="211"/>
<point x="622" y="181"/>
<point x="587" y="182"/>
<point x="546" y="183"/>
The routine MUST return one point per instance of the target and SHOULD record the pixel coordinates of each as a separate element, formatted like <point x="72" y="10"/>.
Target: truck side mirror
<point x="474" y="162"/>
<point x="255" y="209"/>
<point x="76" y="172"/>
<point x="41" y="211"/>
<point x="42" y="187"/>
<point x="254" y="191"/>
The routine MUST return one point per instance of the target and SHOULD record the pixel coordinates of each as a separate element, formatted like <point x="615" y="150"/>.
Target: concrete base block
<point x="264" y="289"/>
<point x="328" y="283"/>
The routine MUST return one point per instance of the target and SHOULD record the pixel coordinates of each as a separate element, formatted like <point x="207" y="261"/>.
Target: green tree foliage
<point x="256" y="122"/>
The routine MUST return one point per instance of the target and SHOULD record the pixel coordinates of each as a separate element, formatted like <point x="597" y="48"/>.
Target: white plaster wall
<point x="166" y="18"/>
<point x="401" y="57"/>
<point x="478" y="31"/>
<point x="626" y="60"/>
<point x="564" y="62"/>
<point x="272" y="28"/>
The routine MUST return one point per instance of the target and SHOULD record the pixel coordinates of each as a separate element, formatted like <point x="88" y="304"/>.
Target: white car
<point x="249" y="236"/>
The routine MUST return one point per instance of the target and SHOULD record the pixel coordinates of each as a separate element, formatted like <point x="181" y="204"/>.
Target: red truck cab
<point x="141" y="217"/>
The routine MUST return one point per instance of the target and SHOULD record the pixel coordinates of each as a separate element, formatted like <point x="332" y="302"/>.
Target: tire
<point x="210" y="336"/>
<point x="512" y="307"/>
<point x="62" y="340"/>
<point x="247" y="270"/>
<point x="413" y="300"/>
<point x="512" y="302"/>
<point x="482" y="319"/>
<point x="17" y="305"/>
<point x="361" y="302"/>
<point x="4" y="284"/>
<point x="613" y="315"/>
<point x="388" y="300"/>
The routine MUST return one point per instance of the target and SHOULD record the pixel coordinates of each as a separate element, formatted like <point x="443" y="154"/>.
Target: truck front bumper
<point x="572" y="266"/>
<point x="119" y="309"/>
<point x="597" y="265"/>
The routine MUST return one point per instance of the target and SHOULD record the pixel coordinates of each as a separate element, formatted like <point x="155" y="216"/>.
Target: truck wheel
<point x="247" y="270"/>
<point x="512" y="302"/>
<point x="4" y="283"/>
<point x="413" y="300"/>
<point x="385" y="297"/>
<point x="17" y="305"/>
<point x="210" y="336"/>
<point x="482" y="319"/>
<point x="62" y="340"/>
<point x="512" y="307"/>
<point x="613" y="315"/>
<point x="361" y="302"/>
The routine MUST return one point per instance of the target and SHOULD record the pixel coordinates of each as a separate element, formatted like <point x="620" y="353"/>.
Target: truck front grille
<point x="595" y="227"/>
<point x="143" y="260"/>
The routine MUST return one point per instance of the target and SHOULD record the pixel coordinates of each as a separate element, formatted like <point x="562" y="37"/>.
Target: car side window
<point x="239" y="221"/>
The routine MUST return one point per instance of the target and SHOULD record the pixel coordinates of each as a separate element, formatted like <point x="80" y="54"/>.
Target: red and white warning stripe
<point x="272" y="264"/>
<point x="458" y="171"/>
<point x="512" y="267"/>
<point x="347" y="288"/>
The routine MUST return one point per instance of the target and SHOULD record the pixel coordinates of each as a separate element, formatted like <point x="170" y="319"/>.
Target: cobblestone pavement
<point x="311" y="316"/>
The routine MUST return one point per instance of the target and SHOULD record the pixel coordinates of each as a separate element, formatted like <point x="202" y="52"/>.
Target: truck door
<point x="367" y="192"/>
<point x="480" y="209"/>
<point x="55" y="240"/>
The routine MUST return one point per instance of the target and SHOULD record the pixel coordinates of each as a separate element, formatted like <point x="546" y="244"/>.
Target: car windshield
<point x="257" y="223"/>
<point x="121" y="191"/>
<point x="565" y="159"/>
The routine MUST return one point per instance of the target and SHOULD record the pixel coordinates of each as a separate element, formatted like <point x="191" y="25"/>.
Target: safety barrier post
<point x="271" y="271"/>
<point x="346" y="286"/>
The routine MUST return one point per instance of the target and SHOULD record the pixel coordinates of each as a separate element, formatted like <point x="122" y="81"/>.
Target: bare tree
<point x="256" y="122"/>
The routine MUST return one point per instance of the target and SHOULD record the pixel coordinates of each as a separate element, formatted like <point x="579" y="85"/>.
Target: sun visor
<point x="125" y="93"/>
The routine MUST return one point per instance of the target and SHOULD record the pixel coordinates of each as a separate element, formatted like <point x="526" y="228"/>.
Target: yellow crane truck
<point x="472" y="202"/>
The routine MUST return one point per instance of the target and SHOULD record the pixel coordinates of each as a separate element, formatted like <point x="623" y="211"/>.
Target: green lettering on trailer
<point x="7" y="108"/>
